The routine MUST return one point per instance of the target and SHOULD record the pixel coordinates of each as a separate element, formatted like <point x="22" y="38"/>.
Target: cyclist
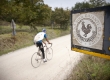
<point x="38" y="40"/>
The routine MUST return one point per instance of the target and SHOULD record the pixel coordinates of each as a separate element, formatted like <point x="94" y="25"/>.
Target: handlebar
<point x="49" y="46"/>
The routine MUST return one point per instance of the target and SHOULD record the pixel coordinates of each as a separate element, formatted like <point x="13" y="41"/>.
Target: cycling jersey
<point x="39" y="37"/>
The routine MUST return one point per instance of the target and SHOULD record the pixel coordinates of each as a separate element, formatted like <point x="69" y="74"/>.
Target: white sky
<point x="63" y="3"/>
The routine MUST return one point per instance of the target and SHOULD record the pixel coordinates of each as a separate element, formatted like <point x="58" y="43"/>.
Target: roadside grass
<point x="91" y="68"/>
<point x="11" y="43"/>
<point x="24" y="37"/>
<point x="8" y="29"/>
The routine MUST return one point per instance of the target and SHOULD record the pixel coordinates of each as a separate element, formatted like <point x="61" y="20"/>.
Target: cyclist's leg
<point x="43" y="54"/>
<point x="40" y="45"/>
<point x="42" y="50"/>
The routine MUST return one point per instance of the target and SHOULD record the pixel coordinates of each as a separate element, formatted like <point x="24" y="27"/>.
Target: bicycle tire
<point x="36" y="60"/>
<point x="49" y="53"/>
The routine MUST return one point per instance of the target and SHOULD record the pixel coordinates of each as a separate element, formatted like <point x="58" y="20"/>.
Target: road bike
<point x="37" y="58"/>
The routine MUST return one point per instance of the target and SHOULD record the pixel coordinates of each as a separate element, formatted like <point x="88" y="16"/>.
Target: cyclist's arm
<point x="47" y="41"/>
<point x="45" y="36"/>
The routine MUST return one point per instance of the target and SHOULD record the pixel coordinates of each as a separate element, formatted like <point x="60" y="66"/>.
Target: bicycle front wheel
<point x="49" y="53"/>
<point x="36" y="60"/>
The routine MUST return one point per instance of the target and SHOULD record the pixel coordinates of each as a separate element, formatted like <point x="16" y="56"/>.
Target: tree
<point x="61" y="17"/>
<point x="4" y="9"/>
<point x="90" y="4"/>
<point x="97" y="3"/>
<point x="81" y="5"/>
<point x="107" y="4"/>
<point x="28" y="12"/>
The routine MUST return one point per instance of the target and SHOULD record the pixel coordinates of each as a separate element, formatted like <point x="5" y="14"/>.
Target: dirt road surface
<point x="16" y="65"/>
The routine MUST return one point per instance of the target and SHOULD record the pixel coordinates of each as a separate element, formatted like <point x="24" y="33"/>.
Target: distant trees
<point x="61" y="18"/>
<point x="81" y="5"/>
<point x="90" y="4"/>
<point x="28" y="12"/>
<point x="35" y="12"/>
<point x="97" y="3"/>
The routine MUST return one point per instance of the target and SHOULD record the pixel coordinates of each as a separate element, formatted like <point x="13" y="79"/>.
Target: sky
<point x="63" y="3"/>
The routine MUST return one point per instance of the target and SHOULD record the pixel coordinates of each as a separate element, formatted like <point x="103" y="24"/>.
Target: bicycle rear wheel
<point x="49" y="53"/>
<point x="36" y="60"/>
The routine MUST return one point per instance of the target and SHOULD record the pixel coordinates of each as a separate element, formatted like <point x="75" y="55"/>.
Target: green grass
<point x="24" y="37"/>
<point x="91" y="68"/>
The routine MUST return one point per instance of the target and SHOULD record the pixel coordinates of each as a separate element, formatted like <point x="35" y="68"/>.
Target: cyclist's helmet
<point x="43" y="30"/>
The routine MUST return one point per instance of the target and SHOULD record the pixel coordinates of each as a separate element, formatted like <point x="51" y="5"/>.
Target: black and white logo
<point x="87" y="29"/>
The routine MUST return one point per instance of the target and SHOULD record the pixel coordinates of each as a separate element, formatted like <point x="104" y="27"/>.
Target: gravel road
<point x="16" y="65"/>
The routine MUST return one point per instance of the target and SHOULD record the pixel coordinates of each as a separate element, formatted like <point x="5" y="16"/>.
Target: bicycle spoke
<point x="36" y="60"/>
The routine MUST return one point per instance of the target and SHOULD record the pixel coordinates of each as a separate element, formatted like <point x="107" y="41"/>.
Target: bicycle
<point x="36" y="58"/>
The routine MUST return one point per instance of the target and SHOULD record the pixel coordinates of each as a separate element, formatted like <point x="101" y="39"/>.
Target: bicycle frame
<point x="36" y="58"/>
